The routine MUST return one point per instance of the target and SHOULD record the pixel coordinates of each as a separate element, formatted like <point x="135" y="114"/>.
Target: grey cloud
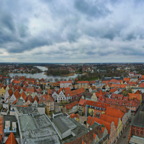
<point x="96" y="9"/>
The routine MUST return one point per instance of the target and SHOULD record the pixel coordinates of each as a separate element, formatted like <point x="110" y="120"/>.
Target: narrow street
<point x="124" y="137"/>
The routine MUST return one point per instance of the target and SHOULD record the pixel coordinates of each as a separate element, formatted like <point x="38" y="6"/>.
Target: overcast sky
<point x="71" y="31"/>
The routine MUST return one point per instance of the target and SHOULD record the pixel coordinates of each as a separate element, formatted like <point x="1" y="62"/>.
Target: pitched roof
<point x="82" y="102"/>
<point x="71" y="105"/>
<point x="17" y="94"/>
<point x="141" y="85"/>
<point x="10" y="92"/>
<point x="114" y="112"/>
<point x="83" y="82"/>
<point x="23" y="95"/>
<point x="30" y="89"/>
<point x="135" y="96"/>
<point x="11" y="139"/>
<point x="110" y="119"/>
<point x="92" y="120"/>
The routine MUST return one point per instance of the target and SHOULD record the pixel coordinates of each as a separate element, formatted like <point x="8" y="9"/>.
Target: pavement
<point x="124" y="137"/>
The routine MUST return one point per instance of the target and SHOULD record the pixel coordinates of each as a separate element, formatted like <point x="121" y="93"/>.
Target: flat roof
<point x="37" y="129"/>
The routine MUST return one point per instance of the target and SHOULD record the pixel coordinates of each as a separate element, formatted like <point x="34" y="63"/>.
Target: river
<point x="42" y="75"/>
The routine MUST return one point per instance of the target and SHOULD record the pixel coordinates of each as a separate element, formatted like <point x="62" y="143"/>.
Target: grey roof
<point x="37" y="129"/>
<point x="63" y="123"/>
<point x="27" y="110"/>
<point x="139" y="118"/>
<point x="60" y="125"/>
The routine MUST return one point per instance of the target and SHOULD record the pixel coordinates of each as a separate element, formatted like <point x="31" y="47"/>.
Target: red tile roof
<point x="92" y="120"/>
<point x="82" y="102"/>
<point x="83" y="82"/>
<point x="23" y="95"/>
<point x="17" y="94"/>
<point x="30" y="89"/>
<point x="110" y="119"/>
<point x="135" y="96"/>
<point x="114" y="112"/>
<point x="11" y="139"/>
<point x="141" y="85"/>
<point x="71" y="105"/>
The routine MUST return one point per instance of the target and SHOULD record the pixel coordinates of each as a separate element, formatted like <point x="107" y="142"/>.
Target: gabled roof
<point x="82" y="102"/>
<point x="10" y="92"/>
<point x="11" y="139"/>
<point x="23" y="95"/>
<point x="17" y="94"/>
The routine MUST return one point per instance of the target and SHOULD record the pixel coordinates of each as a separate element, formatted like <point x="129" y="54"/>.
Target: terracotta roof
<point x="82" y="102"/>
<point x="74" y="116"/>
<point x="113" y="90"/>
<point x="110" y="119"/>
<point x="97" y="104"/>
<point x="1" y="127"/>
<point x="36" y="99"/>
<point x="92" y="120"/>
<point x="71" y="105"/>
<point x="10" y="92"/>
<point x="17" y="94"/>
<point x="141" y="85"/>
<point x="114" y="112"/>
<point x="30" y="89"/>
<point x="29" y="98"/>
<point x="23" y="95"/>
<point x="135" y="96"/>
<point x="11" y="139"/>
<point x="126" y="79"/>
<point x="83" y="82"/>
<point x="46" y="97"/>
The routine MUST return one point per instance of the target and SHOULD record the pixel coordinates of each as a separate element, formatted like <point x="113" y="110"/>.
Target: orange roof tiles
<point x="141" y="85"/>
<point x="92" y="120"/>
<point x="71" y="105"/>
<point x="11" y="139"/>
<point x="82" y="102"/>
<point x="114" y="112"/>
<point x="10" y="92"/>
<point x="83" y="82"/>
<point x="135" y="96"/>
<point x="97" y="104"/>
<point x="110" y="119"/>
<point x="17" y="94"/>
<point x="126" y="79"/>
<point x="1" y="128"/>
<point x="23" y="95"/>
<point x="30" y="89"/>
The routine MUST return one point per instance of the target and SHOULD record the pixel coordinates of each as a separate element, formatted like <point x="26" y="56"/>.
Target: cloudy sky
<point x="71" y="31"/>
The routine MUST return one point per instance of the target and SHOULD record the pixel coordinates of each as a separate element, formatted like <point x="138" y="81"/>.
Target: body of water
<point x="42" y="75"/>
